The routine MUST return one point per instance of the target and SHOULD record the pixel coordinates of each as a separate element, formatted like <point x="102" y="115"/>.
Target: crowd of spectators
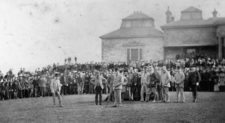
<point x="76" y="78"/>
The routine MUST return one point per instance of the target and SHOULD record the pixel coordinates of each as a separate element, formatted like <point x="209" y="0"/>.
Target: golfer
<point x="55" y="87"/>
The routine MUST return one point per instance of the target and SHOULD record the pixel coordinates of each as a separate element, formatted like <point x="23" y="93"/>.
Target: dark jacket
<point x="136" y="80"/>
<point x="154" y="80"/>
<point x="194" y="77"/>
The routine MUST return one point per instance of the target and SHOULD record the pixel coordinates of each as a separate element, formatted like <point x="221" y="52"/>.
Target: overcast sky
<point x="35" y="33"/>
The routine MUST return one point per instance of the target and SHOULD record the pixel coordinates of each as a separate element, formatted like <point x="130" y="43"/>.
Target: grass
<point x="81" y="108"/>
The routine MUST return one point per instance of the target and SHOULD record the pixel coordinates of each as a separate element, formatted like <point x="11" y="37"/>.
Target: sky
<point x="37" y="33"/>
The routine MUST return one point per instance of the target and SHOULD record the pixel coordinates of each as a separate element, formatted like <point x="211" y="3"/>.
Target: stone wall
<point x="190" y="36"/>
<point x="115" y="50"/>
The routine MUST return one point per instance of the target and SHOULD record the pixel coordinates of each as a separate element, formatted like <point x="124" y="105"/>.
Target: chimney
<point x="169" y="16"/>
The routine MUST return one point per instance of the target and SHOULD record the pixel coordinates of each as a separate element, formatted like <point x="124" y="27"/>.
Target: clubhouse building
<point x="137" y="39"/>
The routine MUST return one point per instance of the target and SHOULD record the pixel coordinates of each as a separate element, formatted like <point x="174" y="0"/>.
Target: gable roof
<point x="195" y="23"/>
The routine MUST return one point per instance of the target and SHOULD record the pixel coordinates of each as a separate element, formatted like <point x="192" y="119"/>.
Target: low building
<point x="194" y="35"/>
<point x="138" y="40"/>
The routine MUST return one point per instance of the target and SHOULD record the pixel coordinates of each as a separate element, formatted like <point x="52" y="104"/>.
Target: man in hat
<point x="194" y="79"/>
<point x="35" y="85"/>
<point x="79" y="82"/>
<point x="110" y="84"/>
<point x="144" y="83"/>
<point x="55" y="87"/>
<point x="153" y="81"/>
<point x="165" y="80"/>
<point x="179" y="83"/>
<point x="42" y="85"/>
<point x="117" y="85"/>
<point x="65" y="82"/>
<point x="98" y="87"/>
<point x="129" y="82"/>
<point x="136" y="85"/>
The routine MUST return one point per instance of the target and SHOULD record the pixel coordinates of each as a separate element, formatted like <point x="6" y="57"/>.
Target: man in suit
<point x="129" y="83"/>
<point x="117" y="85"/>
<point x="153" y="82"/>
<point x="136" y="85"/>
<point x="179" y="83"/>
<point x="165" y="80"/>
<point x="144" y="83"/>
<point x="98" y="86"/>
<point x="79" y="82"/>
<point x="194" y="79"/>
<point x="87" y="79"/>
<point x="55" y="87"/>
<point x="110" y="83"/>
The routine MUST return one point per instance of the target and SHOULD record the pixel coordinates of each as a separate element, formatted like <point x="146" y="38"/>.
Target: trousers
<point x="98" y="95"/>
<point x="117" y="96"/>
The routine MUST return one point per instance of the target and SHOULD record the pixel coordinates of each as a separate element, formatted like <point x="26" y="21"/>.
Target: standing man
<point x="42" y="85"/>
<point x="136" y="86"/>
<point x="91" y="84"/>
<point x="98" y="88"/>
<point x="153" y="82"/>
<point x="79" y="83"/>
<point x="110" y="84"/>
<point x="35" y="85"/>
<point x="82" y="81"/>
<point x="194" y="79"/>
<point x="65" y="83"/>
<point x="129" y="83"/>
<point x="179" y="84"/>
<point x="144" y="83"/>
<point x="55" y="87"/>
<point x="157" y="72"/>
<point x="86" y="82"/>
<point x="165" y="80"/>
<point x="117" y="85"/>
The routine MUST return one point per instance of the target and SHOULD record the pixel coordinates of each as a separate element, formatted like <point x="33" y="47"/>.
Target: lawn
<point x="81" y="108"/>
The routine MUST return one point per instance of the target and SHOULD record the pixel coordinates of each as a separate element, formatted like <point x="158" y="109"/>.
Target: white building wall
<point x="191" y="36"/>
<point x="115" y="50"/>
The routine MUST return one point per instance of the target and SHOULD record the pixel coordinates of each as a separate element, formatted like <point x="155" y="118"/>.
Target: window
<point x="134" y="54"/>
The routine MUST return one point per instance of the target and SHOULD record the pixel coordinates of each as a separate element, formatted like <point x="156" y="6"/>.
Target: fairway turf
<point x="81" y="108"/>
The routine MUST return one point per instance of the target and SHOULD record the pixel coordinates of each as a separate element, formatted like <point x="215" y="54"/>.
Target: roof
<point x="137" y="15"/>
<point x="133" y="33"/>
<point x="195" y="23"/>
<point x="191" y="9"/>
<point x="214" y="21"/>
<point x="189" y="45"/>
<point x="219" y="21"/>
